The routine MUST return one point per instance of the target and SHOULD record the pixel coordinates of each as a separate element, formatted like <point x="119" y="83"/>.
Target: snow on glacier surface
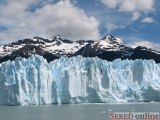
<point x="33" y="81"/>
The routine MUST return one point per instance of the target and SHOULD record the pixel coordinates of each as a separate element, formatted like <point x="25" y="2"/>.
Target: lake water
<point x="72" y="112"/>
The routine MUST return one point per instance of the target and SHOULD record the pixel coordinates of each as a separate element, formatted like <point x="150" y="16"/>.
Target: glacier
<point x="34" y="81"/>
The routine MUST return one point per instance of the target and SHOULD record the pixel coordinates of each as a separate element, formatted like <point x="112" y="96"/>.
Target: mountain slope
<point x="108" y="48"/>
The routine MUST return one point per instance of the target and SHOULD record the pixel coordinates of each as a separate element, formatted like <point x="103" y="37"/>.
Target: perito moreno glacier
<point x="33" y="81"/>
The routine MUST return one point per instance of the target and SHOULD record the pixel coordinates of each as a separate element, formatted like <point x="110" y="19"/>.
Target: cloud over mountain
<point x="47" y="20"/>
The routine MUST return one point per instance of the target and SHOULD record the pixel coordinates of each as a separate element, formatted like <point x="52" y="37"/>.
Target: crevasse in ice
<point x="33" y="81"/>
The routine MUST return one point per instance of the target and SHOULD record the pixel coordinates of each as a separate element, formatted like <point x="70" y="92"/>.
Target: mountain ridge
<point x="108" y="48"/>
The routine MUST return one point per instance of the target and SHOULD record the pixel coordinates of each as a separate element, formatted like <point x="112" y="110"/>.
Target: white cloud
<point x="110" y="27"/>
<point x="130" y="5"/>
<point x="131" y="10"/>
<point x="135" y="16"/>
<point x="135" y="7"/>
<point x="111" y="3"/>
<point x="61" y="18"/>
<point x="148" y="20"/>
<point x="147" y="44"/>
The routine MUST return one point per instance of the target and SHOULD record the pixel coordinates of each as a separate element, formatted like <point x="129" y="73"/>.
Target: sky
<point x="137" y="22"/>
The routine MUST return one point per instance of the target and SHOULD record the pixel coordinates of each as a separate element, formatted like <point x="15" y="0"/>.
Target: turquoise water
<point x="72" y="112"/>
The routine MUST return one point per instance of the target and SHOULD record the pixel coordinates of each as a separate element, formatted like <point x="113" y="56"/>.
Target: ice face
<point x="33" y="81"/>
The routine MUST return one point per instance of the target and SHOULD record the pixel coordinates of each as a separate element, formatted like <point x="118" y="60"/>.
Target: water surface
<point x="71" y="112"/>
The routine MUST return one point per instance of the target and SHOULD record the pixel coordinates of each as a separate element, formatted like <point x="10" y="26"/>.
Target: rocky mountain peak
<point x="112" y="40"/>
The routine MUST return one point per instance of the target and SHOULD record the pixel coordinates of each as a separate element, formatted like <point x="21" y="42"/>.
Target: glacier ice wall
<point x="33" y="81"/>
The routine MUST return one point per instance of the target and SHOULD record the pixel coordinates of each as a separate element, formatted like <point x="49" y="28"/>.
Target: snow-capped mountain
<point x="108" y="48"/>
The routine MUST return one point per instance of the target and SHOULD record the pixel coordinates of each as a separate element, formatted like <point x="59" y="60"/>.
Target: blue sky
<point x="137" y="22"/>
<point x="131" y="30"/>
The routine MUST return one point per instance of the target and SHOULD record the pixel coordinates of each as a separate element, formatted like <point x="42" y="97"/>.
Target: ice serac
<point x="33" y="81"/>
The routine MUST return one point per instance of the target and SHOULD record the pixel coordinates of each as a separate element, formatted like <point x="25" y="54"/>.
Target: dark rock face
<point x="108" y="48"/>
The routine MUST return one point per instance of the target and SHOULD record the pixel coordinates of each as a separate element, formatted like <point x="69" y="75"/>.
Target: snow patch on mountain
<point x="59" y="46"/>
